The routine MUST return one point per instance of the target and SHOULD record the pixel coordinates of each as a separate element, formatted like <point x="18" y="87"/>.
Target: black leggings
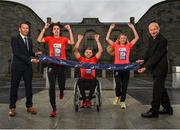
<point x="122" y="80"/>
<point x="87" y="84"/>
<point x="54" y="72"/>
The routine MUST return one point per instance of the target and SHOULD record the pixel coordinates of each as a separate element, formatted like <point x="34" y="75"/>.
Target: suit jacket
<point x="21" y="55"/>
<point x="155" y="57"/>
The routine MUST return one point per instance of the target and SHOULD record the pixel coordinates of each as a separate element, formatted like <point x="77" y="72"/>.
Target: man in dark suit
<point x="155" y="59"/>
<point x="22" y="67"/>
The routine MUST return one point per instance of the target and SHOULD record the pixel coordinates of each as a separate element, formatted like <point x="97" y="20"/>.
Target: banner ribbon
<point x="131" y="66"/>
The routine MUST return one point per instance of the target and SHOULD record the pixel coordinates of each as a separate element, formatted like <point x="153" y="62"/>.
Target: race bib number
<point x="88" y="71"/>
<point x="122" y="53"/>
<point x="57" y="49"/>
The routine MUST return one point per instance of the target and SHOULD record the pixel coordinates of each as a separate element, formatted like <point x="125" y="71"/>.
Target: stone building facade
<point x="89" y="27"/>
<point x="166" y="13"/>
<point x="11" y="15"/>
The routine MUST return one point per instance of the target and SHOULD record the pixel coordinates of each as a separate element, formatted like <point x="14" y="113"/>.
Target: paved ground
<point x="109" y="117"/>
<point x="139" y="88"/>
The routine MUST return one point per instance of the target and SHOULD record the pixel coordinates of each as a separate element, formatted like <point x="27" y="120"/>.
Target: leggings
<point x="55" y="71"/>
<point x="122" y="80"/>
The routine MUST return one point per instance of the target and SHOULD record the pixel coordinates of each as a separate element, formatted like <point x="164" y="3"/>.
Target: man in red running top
<point x="57" y="48"/>
<point x="88" y="76"/>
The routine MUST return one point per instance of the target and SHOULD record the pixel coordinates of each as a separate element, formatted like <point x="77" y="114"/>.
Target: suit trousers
<point x="16" y="76"/>
<point x="160" y="95"/>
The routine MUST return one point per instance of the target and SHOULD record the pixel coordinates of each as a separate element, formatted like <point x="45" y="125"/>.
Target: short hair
<point x="88" y="48"/>
<point x="25" y="22"/>
<point x="154" y="24"/>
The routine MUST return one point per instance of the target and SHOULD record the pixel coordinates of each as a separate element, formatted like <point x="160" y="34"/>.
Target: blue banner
<point x="131" y="66"/>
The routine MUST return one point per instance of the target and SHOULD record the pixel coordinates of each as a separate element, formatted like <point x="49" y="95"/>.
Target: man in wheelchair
<point x="88" y="79"/>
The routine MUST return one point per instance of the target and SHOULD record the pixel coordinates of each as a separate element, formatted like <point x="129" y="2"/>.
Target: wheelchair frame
<point x="97" y="93"/>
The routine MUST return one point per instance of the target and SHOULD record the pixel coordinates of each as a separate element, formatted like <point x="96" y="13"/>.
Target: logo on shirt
<point x="88" y="71"/>
<point x="57" y="49"/>
<point x="122" y="53"/>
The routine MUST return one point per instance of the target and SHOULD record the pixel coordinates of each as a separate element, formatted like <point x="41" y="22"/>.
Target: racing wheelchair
<point x="96" y="98"/>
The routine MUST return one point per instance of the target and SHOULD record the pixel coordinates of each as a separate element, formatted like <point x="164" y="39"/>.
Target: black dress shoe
<point x="150" y="114"/>
<point x="166" y="111"/>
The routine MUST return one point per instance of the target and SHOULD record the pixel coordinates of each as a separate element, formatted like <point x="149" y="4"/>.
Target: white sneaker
<point x="123" y="105"/>
<point x="116" y="100"/>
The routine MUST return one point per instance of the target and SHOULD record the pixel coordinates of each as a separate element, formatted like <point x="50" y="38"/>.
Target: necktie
<point x="26" y="43"/>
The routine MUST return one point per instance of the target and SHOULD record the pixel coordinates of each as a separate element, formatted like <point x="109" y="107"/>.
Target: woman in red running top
<point x="57" y="48"/>
<point x="122" y="52"/>
<point x="88" y="76"/>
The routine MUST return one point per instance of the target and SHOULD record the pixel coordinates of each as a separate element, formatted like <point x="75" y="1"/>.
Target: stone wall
<point x="11" y="14"/>
<point x="167" y="14"/>
<point x="90" y="26"/>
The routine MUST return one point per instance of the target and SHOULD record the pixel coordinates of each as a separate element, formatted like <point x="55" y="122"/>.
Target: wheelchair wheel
<point x="98" y="97"/>
<point x="99" y="94"/>
<point x="76" y="108"/>
<point x="97" y="107"/>
<point x="76" y="98"/>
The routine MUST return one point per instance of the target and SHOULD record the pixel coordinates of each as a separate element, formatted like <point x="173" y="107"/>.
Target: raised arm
<point x="100" y="49"/>
<point x="71" y="41"/>
<point x="76" y="47"/>
<point x="112" y="26"/>
<point x="41" y="35"/>
<point x="136" y="36"/>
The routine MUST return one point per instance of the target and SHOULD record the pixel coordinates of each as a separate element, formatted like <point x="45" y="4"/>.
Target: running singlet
<point x="122" y="53"/>
<point x="57" y="46"/>
<point x="88" y="73"/>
